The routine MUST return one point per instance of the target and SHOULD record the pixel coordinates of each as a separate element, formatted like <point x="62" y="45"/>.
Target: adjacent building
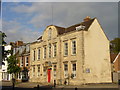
<point x="5" y="75"/>
<point x="22" y="52"/>
<point x="75" y="55"/>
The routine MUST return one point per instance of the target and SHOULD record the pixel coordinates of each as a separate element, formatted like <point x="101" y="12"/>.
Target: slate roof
<point x="62" y="30"/>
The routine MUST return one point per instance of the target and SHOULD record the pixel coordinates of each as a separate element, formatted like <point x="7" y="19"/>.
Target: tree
<point x="13" y="68"/>
<point x="2" y="37"/>
<point x="2" y="43"/>
<point x="115" y="45"/>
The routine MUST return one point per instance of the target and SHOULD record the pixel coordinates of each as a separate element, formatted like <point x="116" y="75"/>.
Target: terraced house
<point x="22" y="52"/>
<point x="74" y="55"/>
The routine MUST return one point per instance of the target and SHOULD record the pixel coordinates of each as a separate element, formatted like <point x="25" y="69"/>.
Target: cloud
<point x="15" y="31"/>
<point x="65" y="14"/>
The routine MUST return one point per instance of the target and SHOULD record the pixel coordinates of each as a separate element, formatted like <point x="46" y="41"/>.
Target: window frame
<point x="73" y="49"/>
<point x="65" y="48"/>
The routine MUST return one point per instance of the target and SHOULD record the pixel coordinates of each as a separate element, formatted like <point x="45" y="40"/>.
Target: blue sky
<point x="27" y="20"/>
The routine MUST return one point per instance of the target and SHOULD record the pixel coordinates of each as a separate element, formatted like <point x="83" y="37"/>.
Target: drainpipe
<point x="83" y="56"/>
<point x="60" y="63"/>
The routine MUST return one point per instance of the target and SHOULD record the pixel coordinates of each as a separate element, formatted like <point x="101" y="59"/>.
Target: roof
<point x="62" y="30"/>
<point x="114" y="57"/>
<point x="85" y="23"/>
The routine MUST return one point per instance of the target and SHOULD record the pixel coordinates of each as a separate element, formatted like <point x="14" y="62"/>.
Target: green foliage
<point x="13" y="68"/>
<point x="115" y="45"/>
<point x="2" y="36"/>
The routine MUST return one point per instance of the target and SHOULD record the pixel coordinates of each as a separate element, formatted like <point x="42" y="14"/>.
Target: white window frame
<point x="22" y="61"/>
<point x="74" y="70"/>
<point x="49" y="50"/>
<point x="65" y="48"/>
<point x="49" y="33"/>
<point x="44" y="52"/>
<point x="44" y="71"/>
<point x="33" y="71"/>
<point x="54" y="50"/>
<point x="74" y="49"/>
<point x="54" y="70"/>
<point x="27" y="63"/>
<point x="65" y="71"/>
<point x="34" y="55"/>
<point x="39" y="52"/>
<point x="38" y="68"/>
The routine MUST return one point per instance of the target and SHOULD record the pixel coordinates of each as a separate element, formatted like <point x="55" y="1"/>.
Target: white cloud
<point x="15" y="31"/>
<point x="66" y="14"/>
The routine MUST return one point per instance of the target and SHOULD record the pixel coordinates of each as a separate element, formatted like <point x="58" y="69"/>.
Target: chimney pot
<point x="87" y="18"/>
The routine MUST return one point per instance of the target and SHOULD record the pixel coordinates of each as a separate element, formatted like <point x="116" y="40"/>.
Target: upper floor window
<point x="22" y="61"/>
<point x="44" y="55"/>
<point x="38" y="53"/>
<point x="27" y="61"/>
<point x="49" y="33"/>
<point x="49" y="47"/>
<point x="54" y="50"/>
<point x="65" y="49"/>
<point x="33" y="55"/>
<point x="73" y="47"/>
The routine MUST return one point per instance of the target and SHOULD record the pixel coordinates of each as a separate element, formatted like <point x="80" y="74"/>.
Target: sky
<point x="27" y="20"/>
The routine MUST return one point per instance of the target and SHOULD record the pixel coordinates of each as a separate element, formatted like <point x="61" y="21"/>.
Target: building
<point x="22" y="52"/>
<point x="115" y="61"/>
<point x="6" y="76"/>
<point x="75" y="55"/>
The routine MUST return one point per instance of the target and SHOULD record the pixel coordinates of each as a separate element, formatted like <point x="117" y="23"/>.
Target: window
<point x="44" y="71"/>
<point x="73" y="47"/>
<point x="33" y="55"/>
<point x="39" y="54"/>
<point x="65" y="49"/>
<point x="49" y="33"/>
<point x="44" y="52"/>
<point x="49" y="47"/>
<point x="54" y="70"/>
<point x="33" y="70"/>
<point x="54" y="50"/>
<point x="27" y="61"/>
<point x="22" y="61"/>
<point x="74" y="70"/>
<point x="65" y="70"/>
<point x="38" y="70"/>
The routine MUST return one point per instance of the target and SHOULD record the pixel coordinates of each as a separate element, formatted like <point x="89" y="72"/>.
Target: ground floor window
<point x="74" y="70"/>
<point x="54" y="70"/>
<point x="65" y="70"/>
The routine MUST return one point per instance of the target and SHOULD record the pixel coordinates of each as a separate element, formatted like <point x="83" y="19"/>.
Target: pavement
<point x="35" y="84"/>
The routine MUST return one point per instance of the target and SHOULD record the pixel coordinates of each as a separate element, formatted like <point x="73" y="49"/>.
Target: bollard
<point x="13" y="82"/>
<point x="54" y="83"/>
<point x="38" y="87"/>
<point x="75" y="88"/>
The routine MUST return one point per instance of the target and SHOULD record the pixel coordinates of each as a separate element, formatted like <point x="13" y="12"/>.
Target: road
<point x="33" y="86"/>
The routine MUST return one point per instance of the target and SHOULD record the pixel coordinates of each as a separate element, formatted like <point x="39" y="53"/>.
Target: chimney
<point x="87" y="18"/>
<point x="18" y="43"/>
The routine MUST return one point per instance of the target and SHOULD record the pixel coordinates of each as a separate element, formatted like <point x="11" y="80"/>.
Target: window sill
<point x="73" y="54"/>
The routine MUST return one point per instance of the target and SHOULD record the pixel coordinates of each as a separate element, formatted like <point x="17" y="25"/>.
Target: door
<point x="49" y="75"/>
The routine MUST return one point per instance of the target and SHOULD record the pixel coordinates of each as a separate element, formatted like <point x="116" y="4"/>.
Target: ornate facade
<point x="75" y="55"/>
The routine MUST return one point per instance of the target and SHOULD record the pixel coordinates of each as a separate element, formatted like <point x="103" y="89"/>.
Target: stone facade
<point x="75" y="55"/>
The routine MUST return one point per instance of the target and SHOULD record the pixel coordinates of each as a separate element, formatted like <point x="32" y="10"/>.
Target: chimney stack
<point x="87" y="18"/>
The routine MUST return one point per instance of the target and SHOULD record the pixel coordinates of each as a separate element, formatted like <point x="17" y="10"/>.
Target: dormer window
<point x="49" y="33"/>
